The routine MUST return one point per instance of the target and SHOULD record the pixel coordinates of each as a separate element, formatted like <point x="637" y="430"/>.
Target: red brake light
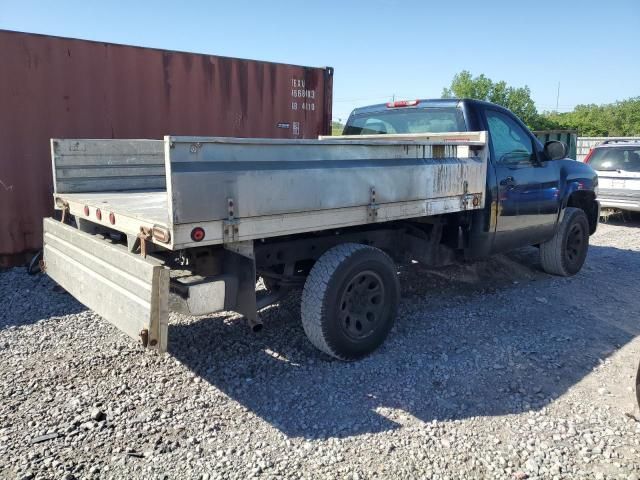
<point x="86" y="210"/>
<point x="403" y="103"/>
<point x="98" y="214"/>
<point x="588" y="157"/>
<point x="112" y="218"/>
<point x="197" y="234"/>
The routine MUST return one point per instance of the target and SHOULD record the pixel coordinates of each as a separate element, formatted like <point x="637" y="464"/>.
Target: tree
<point x="611" y="120"/>
<point x="619" y="119"/>
<point x="336" y="128"/>
<point x="518" y="100"/>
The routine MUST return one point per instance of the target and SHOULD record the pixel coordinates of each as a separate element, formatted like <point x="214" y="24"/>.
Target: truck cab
<point x="529" y="185"/>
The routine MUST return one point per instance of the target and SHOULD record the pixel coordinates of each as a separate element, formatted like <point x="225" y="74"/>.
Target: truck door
<point x="527" y="191"/>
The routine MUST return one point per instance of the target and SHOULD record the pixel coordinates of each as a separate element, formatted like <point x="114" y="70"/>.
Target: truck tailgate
<point x="127" y="290"/>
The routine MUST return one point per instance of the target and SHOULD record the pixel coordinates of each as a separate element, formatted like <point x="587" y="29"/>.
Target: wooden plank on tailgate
<point x="127" y="290"/>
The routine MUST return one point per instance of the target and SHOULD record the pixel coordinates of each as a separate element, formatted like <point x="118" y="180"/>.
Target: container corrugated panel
<point x="587" y="143"/>
<point x="568" y="137"/>
<point x="61" y="87"/>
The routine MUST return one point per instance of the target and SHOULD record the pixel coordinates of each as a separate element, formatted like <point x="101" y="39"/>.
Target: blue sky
<point x="381" y="48"/>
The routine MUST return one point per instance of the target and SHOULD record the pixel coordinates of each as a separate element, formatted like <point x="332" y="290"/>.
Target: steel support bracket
<point x="230" y="231"/>
<point x="466" y="200"/>
<point x="144" y="236"/>
<point x="230" y="226"/>
<point x="372" y="208"/>
<point x="64" y="206"/>
<point x="244" y="248"/>
<point x="144" y="337"/>
<point x="466" y="196"/>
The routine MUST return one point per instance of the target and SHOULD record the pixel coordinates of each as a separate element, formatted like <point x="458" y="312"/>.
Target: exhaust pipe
<point x="255" y="324"/>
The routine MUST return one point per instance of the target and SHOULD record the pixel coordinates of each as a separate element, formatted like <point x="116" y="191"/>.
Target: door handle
<point x="508" y="182"/>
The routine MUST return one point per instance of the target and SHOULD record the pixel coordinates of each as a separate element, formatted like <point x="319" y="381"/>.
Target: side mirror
<point x="555" y="150"/>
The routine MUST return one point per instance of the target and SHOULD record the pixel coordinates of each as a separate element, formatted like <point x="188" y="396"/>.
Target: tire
<point x="350" y="300"/>
<point x="566" y="252"/>
<point x="34" y="264"/>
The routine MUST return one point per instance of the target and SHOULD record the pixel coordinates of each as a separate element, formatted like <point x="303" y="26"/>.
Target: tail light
<point x="86" y="210"/>
<point x="588" y="157"/>
<point x="162" y="234"/>
<point x="403" y="103"/>
<point x="112" y="218"/>
<point x="98" y="214"/>
<point x="197" y="234"/>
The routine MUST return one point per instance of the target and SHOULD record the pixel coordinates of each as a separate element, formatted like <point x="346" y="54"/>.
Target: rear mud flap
<point x="127" y="290"/>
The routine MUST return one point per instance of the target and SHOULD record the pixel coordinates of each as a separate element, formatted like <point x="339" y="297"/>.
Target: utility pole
<point x="558" y="97"/>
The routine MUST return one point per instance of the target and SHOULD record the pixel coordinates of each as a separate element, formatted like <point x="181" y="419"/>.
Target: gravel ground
<point x="495" y="370"/>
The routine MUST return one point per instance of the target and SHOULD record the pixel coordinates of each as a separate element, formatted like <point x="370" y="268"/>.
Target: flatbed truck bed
<point x="249" y="189"/>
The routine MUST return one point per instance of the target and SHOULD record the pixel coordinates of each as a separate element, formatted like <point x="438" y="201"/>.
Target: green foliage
<point x="518" y="100"/>
<point x="615" y="119"/>
<point x="336" y="128"/>
<point x="619" y="119"/>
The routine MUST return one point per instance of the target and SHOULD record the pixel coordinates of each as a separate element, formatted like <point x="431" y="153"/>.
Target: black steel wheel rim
<point x="362" y="305"/>
<point x="575" y="243"/>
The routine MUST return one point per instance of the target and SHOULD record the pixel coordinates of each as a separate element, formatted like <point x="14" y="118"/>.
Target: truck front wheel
<point x="350" y="300"/>
<point x="565" y="253"/>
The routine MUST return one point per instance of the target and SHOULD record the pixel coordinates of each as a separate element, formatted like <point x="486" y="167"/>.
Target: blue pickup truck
<point x="535" y="195"/>
<point x="432" y="181"/>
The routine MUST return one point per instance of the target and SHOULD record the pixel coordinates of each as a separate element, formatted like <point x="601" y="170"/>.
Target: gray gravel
<point x="495" y="370"/>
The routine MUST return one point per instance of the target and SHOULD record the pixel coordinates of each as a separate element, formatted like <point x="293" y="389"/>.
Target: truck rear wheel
<point x="566" y="252"/>
<point x="350" y="300"/>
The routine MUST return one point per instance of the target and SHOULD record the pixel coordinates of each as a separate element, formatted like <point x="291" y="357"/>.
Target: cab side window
<point x="511" y="143"/>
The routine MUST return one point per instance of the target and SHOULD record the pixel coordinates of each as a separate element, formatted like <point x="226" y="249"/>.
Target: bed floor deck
<point x="151" y="206"/>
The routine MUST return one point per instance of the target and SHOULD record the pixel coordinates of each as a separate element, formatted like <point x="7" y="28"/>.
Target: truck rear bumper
<point x="135" y="293"/>
<point x="629" y="204"/>
<point x="127" y="290"/>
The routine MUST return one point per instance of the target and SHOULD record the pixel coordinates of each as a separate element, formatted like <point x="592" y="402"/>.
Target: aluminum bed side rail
<point x="245" y="189"/>
<point x="127" y="290"/>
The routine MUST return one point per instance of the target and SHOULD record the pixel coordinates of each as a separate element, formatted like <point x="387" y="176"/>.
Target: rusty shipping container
<point x="63" y="87"/>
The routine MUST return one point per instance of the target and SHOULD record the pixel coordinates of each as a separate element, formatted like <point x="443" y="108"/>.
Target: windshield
<point x="415" y="120"/>
<point x="617" y="158"/>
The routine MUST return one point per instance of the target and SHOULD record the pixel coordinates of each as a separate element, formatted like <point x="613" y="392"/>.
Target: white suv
<point x="617" y="163"/>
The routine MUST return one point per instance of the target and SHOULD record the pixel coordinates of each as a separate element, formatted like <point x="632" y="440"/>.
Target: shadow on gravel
<point x="26" y="299"/>
<point x="495" y="338"/>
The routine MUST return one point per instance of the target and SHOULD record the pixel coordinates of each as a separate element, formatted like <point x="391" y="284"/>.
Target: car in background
<point x="617" y="163"/>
